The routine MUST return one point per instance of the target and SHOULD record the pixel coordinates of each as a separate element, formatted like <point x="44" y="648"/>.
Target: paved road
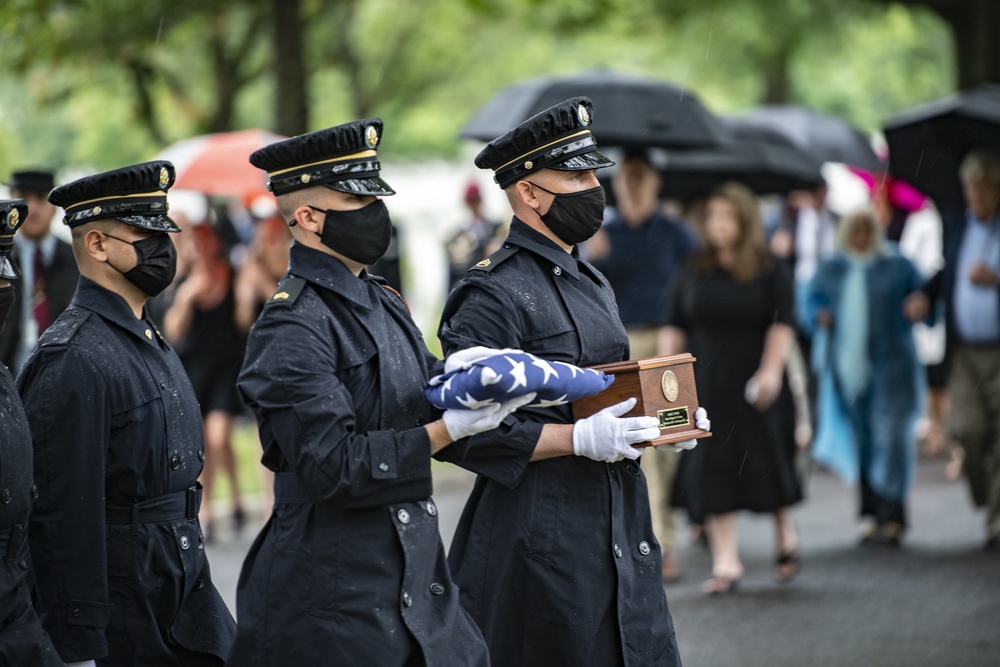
<point x="934" y="602"/>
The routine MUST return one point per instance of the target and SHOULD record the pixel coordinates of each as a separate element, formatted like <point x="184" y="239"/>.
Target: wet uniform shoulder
<point x="287" y="292"/>
<point x="496" y="259"/>
<point x="65" y="328"/>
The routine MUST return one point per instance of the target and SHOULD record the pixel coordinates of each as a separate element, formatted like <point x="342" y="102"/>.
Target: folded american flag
<point x="505" y="376"/>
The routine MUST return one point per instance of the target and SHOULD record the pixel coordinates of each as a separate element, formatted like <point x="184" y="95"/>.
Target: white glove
<point x="607" y="436"/>
<point x="470" y="355"/>
<point x="701" y="421"/>
<point x="88" y="663"/>
<point x="463" y="423"/>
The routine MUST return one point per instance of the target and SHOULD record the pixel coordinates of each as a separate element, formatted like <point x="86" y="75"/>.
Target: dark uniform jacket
<point x="350" y="569"/>
<point x="556" y="559"/>
<point x="22" y="640"/>
<point x="60" y="282"/>
<point x="117" y="549"/>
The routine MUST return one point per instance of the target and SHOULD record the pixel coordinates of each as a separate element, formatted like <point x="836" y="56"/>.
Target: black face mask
<point x="575" y="216"/>
<point x="6" y="304"/>
<point x="361" y="235"/>
<point x="157" y="263"/>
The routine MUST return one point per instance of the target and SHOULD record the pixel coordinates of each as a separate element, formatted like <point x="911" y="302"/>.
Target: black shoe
<point x="239" y="519"/>
<point x="992" y="544"/>
<point x="892" y="534"/>
<point x="787" y="566"/>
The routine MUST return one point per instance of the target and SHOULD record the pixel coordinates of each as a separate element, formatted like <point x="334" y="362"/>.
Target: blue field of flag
<point x="509" y="375"/>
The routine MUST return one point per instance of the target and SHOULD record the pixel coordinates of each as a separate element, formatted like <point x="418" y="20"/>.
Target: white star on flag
<point x="546" y="368"/>
<point x="471" y="403"/>
<point x="573" y="369"/>
<point x="489" y="376"/>
<point x="548" y="404"/>
<point x="518" y="372"/>
<point x="446" y="387"/>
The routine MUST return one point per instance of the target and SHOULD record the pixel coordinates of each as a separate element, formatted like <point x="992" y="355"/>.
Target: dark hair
<point x="750" y="254"/>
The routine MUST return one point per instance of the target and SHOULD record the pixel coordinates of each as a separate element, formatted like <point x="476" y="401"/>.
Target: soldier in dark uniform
<point x="23" y="642"/>
<point x="350" y="569"/>
<point x="555" y="554"/>
<point x="117" y="550"/>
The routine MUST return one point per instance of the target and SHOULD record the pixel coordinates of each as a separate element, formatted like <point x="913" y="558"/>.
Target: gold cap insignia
<point x="371" y="136"/>
<point x="279" y="296"/>
<point x="529" y="164"/>
<point x="96" y="210"/>
<point x="305" y="178"/>
<point x="485" y="262"/>
<point x="164" y="177"/>
<point x="14" y="218"/>
<point x="149" y="334"/>
<point x="583" y="115"/>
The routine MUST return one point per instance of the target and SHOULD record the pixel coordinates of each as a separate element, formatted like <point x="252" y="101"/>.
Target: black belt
<point x="289" y="490"/>
<point x="177" y="505"/>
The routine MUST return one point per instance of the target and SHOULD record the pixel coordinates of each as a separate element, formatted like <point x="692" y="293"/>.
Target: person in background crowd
<point x="117" y="550"/>
<point x="637" y="235"/>
<point x="969" y="286"/>
<point x="874" y="379"/>
<point x="910" y="217"/>
<point x="258" y="277"/>
<point x="23" y="642"/>
<point x="732" y="308"/>
<point x="815" y="234"/>
<point x="200" y="323"/>
<point x="48" y="271"/>
<point x="478" y="238"/>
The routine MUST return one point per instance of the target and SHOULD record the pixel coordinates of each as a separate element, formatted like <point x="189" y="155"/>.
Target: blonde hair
<point x="752" y="257"/>
<point x="863" y="214"/>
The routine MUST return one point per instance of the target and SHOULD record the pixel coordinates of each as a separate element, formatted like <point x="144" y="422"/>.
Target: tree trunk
<point x="974" y="25"/>
<point x="291" y="108"/>
<point x="777" y="81"/>
<point x="142" y="73"/>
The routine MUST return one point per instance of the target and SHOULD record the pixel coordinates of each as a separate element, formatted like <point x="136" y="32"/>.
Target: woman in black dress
<point x="732" y="309"/>
<point x="200" y="323"/>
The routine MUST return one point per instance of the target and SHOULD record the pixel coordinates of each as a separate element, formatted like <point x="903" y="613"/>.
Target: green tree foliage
<point x="105" y="82"/>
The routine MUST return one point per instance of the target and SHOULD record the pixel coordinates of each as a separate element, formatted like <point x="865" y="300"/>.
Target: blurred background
<point x="94" y="85"/>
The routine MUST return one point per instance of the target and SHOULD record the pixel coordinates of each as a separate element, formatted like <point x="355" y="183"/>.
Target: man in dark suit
<point x="48" y="270"/>
<point x="969" y="286"/>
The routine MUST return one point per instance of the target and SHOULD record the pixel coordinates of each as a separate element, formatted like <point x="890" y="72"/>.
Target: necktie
<point x="39" y="304"/>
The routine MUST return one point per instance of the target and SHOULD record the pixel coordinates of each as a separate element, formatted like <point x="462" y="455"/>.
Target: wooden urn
<point x="664" y="388"/>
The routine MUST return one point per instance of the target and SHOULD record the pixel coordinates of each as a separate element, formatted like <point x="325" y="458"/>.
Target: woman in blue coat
<point x="871" y="385"/>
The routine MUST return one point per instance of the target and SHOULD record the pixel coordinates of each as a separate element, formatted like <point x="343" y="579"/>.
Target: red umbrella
<point x="219" y="164"/>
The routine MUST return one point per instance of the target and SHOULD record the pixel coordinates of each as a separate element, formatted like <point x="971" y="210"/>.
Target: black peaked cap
<point x="341" y="158"/>
<point x="135" y="195"/>
<point x="32" y="181"/>
<point x="12" y="214"/>
<point x="557" y="138"/>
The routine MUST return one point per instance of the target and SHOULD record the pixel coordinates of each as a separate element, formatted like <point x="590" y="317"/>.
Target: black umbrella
<point x="629" y="111"/>
<point x="926" y="144"/>
<point x="826" y="137"/>
<point x="762" y="159"/>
